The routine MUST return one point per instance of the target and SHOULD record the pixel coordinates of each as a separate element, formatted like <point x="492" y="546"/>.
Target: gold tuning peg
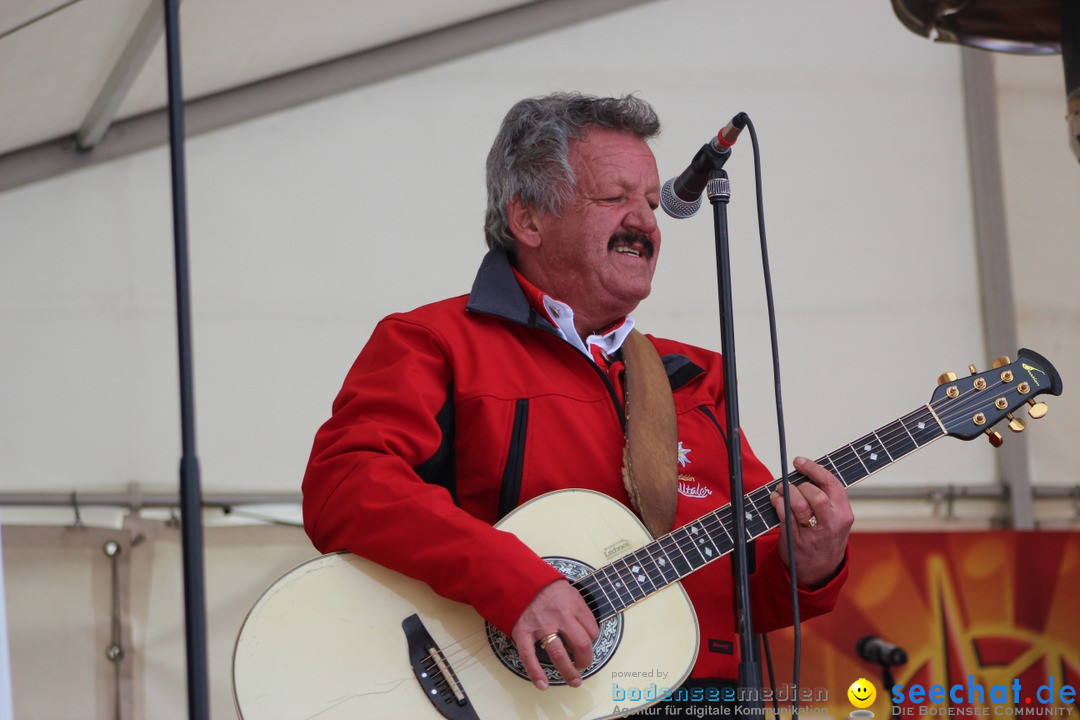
<point x="1037" y="409"/>
<point x="1002" y="361"/>
<point x="946" y="378"/>
<point x="1015" y="423"/>
<point x="995" y="438"/>
<point x="973" y="370"/>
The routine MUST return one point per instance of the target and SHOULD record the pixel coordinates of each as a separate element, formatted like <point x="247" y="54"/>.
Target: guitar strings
<point x="944" y="409"/>
<point x="660" y="559"/>
<point x="460" y="657"/>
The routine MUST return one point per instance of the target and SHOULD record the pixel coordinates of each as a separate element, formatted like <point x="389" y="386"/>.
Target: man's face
<point x="599" y="253"/>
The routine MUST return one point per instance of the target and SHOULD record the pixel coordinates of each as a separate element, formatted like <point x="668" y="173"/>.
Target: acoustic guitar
<point x="342" y="637"/>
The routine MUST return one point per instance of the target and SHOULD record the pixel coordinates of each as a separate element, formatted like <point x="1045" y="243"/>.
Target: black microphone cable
<point x="678" y="200"/>
<point x="781" y="439"/>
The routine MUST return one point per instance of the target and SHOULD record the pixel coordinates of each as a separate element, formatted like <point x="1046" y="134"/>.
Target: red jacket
<point x="458" y="411"/>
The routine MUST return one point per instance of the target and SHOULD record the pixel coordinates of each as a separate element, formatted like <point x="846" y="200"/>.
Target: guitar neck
<point x="633" y="577"/>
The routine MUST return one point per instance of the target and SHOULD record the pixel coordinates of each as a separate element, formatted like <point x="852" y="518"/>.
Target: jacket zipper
<point x="510" y="490"/>
<point x="620" y="411"/>
<point x="716" y="423"/>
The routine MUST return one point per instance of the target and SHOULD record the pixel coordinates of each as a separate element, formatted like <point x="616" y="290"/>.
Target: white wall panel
<point x="1043" y="216"/>
<point x="308" y="225"/>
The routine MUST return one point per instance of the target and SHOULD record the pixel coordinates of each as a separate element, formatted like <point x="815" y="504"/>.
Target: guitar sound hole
<point x="604" y="648"/>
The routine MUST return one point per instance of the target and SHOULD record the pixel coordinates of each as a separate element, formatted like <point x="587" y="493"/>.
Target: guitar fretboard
<point x="633" y="577"/>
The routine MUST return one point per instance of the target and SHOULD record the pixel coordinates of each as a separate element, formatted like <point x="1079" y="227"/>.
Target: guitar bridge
<point x="437" y="679"/>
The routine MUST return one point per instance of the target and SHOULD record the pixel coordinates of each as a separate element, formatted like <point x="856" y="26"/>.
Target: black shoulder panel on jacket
<point x="680" y="370"/>
<point x="440" y="468"/>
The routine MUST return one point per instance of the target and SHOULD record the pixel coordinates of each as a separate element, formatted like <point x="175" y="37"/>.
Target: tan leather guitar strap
<point x="650" y="458"/>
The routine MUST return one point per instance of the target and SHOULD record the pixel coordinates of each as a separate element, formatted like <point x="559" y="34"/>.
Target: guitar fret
<point x="829" y="465"/>
<point x="914" y="442"/>
<point x="750" y="515"/>
<point x="767" y="517"/>
<point x="669" y="566"/>
<point x="699" y="536"/>
<point x="772" y="520"/>
<point x="847" y="459"/>
<point x="618" y="584"/>
<point x="660" y="564"/>
<point x="603" y="581"/>
<point x="683" y="543"/>
<point x="747" y="525"/>
<point x="922" y="426"/>
<point x="883" y="445"/>
<point x="638" y="575"/>
<point x="871" y="453"/>
<point x="899" y="442"/>
<point x="746" y="521"/>
<point x="755" y="524"/>
<point x="857" y="457"/>
<point x="713" y="528"/>
<point x="681" y="568"/>
<point x="723" y="519"/>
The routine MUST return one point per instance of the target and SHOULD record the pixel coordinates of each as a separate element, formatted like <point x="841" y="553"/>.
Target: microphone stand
<point x="190" y="493"/>
<point x="887" y="682"/>
<point x="719" y="192"/>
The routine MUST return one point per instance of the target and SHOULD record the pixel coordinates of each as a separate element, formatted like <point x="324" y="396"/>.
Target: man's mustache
<point x="638" y="241"/>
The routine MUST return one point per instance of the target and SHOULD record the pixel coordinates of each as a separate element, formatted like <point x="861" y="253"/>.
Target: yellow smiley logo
<point x="862" y="693"/>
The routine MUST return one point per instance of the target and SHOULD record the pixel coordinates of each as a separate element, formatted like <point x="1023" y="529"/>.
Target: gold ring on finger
<point x="548" y="640"/>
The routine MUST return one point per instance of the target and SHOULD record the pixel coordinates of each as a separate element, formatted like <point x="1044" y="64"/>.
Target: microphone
<point x="680" y="197"/>
<point x="875" y="650"/>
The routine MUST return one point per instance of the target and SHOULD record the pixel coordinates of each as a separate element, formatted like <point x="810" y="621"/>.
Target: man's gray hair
<point x="530" y="157"/>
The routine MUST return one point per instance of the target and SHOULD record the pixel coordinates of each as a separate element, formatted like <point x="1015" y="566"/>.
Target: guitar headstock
<point x="970" y="406"/>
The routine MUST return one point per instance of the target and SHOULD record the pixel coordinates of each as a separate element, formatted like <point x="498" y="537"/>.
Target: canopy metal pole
<point x="992" y="254"/>
<point x="135" y="499"/>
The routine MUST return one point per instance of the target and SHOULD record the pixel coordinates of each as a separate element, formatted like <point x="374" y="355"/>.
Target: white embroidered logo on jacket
<point x="688" y="485"/>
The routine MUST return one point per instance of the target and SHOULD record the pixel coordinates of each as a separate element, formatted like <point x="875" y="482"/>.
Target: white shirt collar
<point x="563" y="317"/>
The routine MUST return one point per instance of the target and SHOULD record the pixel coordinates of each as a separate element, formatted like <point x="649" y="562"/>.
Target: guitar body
<point x="326" y="640"/>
